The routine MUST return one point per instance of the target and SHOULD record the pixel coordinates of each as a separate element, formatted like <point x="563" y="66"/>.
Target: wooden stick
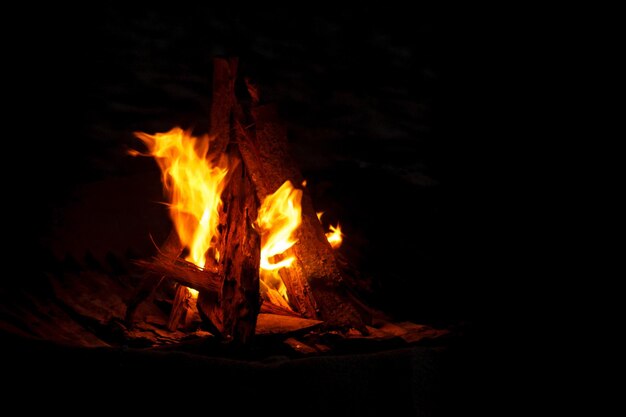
<point x="184" y="273"/>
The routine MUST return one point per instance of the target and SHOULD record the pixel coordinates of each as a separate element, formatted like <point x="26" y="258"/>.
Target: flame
<point x="279" y="216"/>
<point x="193" y="183"/>
<point x="335" y="237"/>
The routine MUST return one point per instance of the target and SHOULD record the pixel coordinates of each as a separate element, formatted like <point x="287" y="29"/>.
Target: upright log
<point x="222" y="103"/>
<point x="240" y="248"/>
<point x="233" y="311"/>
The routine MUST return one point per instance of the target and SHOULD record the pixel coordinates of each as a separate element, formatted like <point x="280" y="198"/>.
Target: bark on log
<point x="222" y="103"/>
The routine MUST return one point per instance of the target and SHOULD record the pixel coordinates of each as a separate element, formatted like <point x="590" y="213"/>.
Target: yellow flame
<point x="279" y="216"/>
<point x="335" y="237"/>
<point x="193" y="183"/>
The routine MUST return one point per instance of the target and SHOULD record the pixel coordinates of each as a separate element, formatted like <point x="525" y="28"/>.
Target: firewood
<point x="270" y="308"/>
<point x="239" y="248"/>
<point x="179" y="307"/>
<point x="222" y="103"/>
<point x="184" y="273"/>
<point x="274" y="324"/>
<point x="314" y="281"/>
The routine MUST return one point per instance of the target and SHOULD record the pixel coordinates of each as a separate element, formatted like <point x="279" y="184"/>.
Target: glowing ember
<point x="194" y="183"/>
<point x="279" y="217"/>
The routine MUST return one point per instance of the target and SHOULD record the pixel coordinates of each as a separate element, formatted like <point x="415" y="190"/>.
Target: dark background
<point x="385" y="110"/>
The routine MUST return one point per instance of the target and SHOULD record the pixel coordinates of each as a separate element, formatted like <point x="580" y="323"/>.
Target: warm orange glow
<point x="194" y="183"/>
<point x="335" y="237"/>
<point x="279" y="216"/>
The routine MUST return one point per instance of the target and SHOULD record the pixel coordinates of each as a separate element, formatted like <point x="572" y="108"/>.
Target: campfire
<point x="247" y="254"/>
<point x="246" y="238"/>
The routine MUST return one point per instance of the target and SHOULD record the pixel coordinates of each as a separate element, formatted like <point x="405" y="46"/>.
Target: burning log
<point x="185" y="273"/>
<point x="313" y="281"/>
<point x="228" y="291"/>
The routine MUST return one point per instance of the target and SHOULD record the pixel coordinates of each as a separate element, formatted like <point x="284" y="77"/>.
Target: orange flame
<point x="194" y="183"/>
<point x="335" y="237"/>
<point x="279" y="216"/>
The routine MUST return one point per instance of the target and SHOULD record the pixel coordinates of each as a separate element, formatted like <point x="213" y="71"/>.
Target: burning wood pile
<point x="246" y="237"/>
<point x="247" y="254"/>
